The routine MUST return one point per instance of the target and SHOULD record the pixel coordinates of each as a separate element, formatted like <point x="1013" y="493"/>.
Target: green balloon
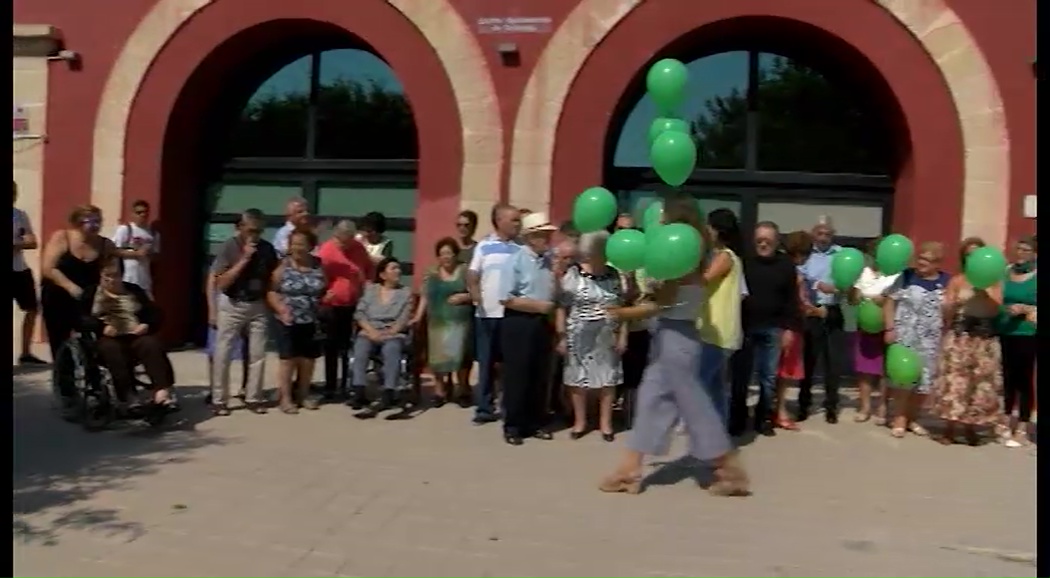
<point x="673" y="156"/>
<point x="869" y="317"/>
<point x="665" y="82"/>
<point x="846" y="266"/>
<point x="594" y="210"/>
<point x="985" y="266"/>
<point x="625" y="249"/>
<point x="653" y="216"/>
<point x="672" y="251"/>
<point x="664" y="124"/>
<point x="903" y="366"/>
<point x="893" y="254"/>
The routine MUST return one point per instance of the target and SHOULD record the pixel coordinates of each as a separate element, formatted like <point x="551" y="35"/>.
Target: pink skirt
<point x="868" y="350"/>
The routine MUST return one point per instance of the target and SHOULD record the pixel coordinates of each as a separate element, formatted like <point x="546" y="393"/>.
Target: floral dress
<point x="591" y="359"/>
<point x="969" y="386"/>
<point x="918" y="321"/>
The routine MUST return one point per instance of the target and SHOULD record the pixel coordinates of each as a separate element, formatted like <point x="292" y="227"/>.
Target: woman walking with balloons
<point x="670" y="388"/>
<point x="970" y="382"/>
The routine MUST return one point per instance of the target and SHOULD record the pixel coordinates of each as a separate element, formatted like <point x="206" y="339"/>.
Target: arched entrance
<point x="783" y="134"/>
<point x="214" y="162"/>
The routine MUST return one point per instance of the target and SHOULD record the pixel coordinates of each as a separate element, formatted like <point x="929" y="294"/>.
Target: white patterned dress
<point x="918" y="321"/>
<point x="591" y="359"/>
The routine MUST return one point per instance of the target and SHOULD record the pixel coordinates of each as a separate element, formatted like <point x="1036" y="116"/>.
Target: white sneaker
<point x="1012" y="443"/>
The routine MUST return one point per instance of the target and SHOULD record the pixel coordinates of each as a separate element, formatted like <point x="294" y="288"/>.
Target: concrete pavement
<point x="324" y="494"/>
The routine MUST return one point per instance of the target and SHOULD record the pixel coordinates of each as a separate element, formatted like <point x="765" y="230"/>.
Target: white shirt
<point x="280" y="239"/>
<point x="870" y="284"/>
<point x="490" y="257"/>
<point x="132" y="236"/>
<point x="376" y="251"/>
<point x="20" y="227"/>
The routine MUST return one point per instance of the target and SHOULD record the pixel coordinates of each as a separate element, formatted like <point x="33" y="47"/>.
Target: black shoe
<point x="485" y="418"/>
<point x="609" y="437"/>
<point x="438" y="401"/>
<point x="358" y="400"/>
<point x="543" y="434"/>
<point x="465" y="401"/>
<point x="575" y="435"/>
<point x="831" y="416"/>
<point x="802" y="415"/>
<point x="30" y="359"/>
<point x="258" y="408"/>
<point x="765" y="428"/>
<point x="513" y="439"/>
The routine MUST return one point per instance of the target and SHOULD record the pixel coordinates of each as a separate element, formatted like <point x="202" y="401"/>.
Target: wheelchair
<point x="84" y="392"/>
<point x="409" y="390"/>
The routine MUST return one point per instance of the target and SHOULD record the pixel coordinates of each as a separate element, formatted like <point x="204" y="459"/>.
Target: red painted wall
<point x="930" y="183"/>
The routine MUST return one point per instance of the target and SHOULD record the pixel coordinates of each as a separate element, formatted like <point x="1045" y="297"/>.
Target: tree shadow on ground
<point x="58" y="466"/>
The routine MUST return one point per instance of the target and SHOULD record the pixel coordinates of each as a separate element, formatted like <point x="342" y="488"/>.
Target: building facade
<point x="910" y="116"/>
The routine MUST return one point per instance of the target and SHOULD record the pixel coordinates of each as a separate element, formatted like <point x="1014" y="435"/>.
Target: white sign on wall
<point x="1029" y="206"/>
<point x="514" y="25"/>
<point x="20" y="121"/>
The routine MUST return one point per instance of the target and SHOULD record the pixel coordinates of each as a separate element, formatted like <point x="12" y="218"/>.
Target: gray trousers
<point x="233" y="318"/>
<point x="671" y="390"/>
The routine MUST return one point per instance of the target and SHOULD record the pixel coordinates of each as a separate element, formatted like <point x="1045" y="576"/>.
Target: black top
<point x="254" y="280"/>
<point x="148" y="313"/>
<point x="773" y="292"/>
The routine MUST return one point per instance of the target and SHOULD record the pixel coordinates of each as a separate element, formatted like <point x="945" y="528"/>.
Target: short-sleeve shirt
<point x="20" y="227"/>
<point x="527" y="275"/>
<point x="132" y="236"/>
<point x="491" y="256"/>
<point x="254" y="280"/>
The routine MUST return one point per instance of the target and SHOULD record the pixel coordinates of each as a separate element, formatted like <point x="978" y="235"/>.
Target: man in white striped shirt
<point x="483" y="281"/>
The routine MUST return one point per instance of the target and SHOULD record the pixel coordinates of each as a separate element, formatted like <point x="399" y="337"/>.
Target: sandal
<point x="220" y="410"/>
<point x="898" y="432"/>
<point x="732" y="479"/>
<point x="918" y="430"/>
<point x="862" y="416"/>
<point x="618" y="483"/>
<point x="289" y="409"/>
<point x="785" y="423"/>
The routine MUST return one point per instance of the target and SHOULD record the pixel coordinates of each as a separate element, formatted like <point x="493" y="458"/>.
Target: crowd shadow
<point x="58" y="466"/>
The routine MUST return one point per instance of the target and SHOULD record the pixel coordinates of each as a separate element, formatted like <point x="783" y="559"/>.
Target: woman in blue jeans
<point x="382" y="316"/>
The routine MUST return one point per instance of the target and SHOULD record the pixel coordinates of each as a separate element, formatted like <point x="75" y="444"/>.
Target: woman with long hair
<point x="1019" y="343"/>
<point x="719" y="321"/>
<point x="671" y="388"/>
<point x="968" y="387"/>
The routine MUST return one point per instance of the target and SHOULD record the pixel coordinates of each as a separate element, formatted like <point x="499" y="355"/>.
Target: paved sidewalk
<point x="324" y="494"/>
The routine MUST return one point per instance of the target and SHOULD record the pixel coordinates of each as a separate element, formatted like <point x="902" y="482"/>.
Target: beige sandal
<point x="618" y="483"/>
<point x="861" y="417"/>
<point x="898" y="432"/>
<point x="732" y="479"/>
<point x="918" y="430"/>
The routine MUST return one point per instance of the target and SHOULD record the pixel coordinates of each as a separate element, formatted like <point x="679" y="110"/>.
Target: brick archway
<point x="171" y="67"/>
<point x="938" y="73"/>
<point x="437" y="21"/>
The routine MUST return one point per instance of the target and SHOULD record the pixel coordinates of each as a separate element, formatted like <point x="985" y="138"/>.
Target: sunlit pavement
<point x="324" y="494"/>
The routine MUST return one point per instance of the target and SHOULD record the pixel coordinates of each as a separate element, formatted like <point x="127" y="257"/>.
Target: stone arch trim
<point x="933" y="23"/>
<point x="437" y="20"/>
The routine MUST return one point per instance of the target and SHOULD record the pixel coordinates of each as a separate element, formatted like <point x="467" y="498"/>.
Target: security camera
<point x="66" y="55"/>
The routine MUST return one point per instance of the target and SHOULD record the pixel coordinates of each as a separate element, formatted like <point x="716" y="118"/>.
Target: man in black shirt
<point x="770" y="307"/>
<point x="242" y="270"/>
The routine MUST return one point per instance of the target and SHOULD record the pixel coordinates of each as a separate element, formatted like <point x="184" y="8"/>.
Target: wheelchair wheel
<point x="97" y="410"/>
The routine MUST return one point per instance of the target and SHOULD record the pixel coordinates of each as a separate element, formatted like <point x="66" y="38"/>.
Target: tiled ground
<point x="324" y="494"/>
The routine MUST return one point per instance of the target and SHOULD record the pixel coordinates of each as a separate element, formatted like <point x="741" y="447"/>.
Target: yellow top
<point x="719" y="321"/>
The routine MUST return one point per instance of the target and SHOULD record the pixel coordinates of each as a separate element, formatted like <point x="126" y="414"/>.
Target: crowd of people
<point x="543" y="315"/>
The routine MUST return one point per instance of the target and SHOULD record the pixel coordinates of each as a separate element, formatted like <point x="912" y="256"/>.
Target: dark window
<point x="274" y="121"/>
<point x="362" y="112"/>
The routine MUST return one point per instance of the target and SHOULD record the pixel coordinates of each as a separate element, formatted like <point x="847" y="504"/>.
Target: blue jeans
<point x="759" y="355"/>
<point x="713" y="377"/>
<point x="487" y="352"/>
<point x="390" y="352"/>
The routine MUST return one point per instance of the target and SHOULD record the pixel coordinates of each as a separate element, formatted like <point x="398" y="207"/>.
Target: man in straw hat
<point x="527" y="292"/>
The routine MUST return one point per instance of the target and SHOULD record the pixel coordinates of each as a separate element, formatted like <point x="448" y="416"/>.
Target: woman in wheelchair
<point x="124" y="321"/>
<point x="382" y="316"/>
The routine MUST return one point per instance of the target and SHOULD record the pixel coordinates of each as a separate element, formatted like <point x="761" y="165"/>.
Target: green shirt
<point x="1017" y="293"/>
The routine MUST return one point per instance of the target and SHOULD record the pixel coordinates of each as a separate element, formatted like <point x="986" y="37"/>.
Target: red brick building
<point x="913" y="116"/>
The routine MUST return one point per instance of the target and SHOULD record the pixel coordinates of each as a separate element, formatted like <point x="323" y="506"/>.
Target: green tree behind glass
<point x="806" y="123"/>
<point x="355" y="120"/>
